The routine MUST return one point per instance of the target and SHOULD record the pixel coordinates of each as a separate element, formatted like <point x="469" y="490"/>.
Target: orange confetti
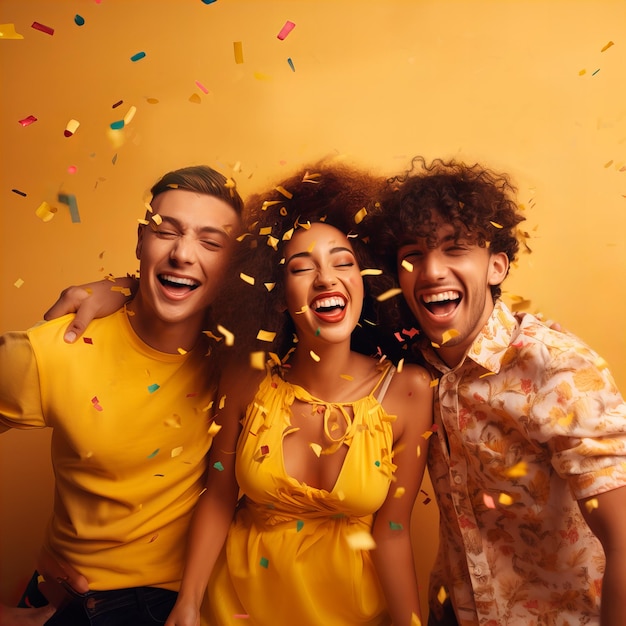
<point x="247" y="279"/>
<point x="176" y="452"/>
<point x="518" y="470"/>
<point x="607" y="46"/>
<point x="238" y="50"/>
<point x="360" y="216"/>
<point x="317" y="449"/>
<point x="284" y="192"/>
<point x="266" y="335"/>
<point x="449" y="334"/>
<point x="591" y="504"/>
<point x="505" y="499"/>
<point x="229" y="338"/>
<point x="314" y="356"/>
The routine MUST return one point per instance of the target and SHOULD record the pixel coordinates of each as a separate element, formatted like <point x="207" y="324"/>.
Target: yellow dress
<point x="287" y="559"/>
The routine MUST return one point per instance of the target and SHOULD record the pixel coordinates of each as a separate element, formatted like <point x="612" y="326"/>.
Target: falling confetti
<point x="518" y="470"/>
<point x="201" y="87"/>
<point x="218" y="466"/>
<point x="229" y="338"/>
<point x="360" y="216"/>
<point x="607" y="46"/>
<point x="7" y="31"/>
<point x="390" y="293"/>
<point x="291" y="65"/>
<point x="238" y="50"/>
<point x="18" y="192"/>
<point x="117" y="125"/>
<point x="138" y="56"/>
<point x="266" y="335"/>
<point x="70" y="201"/>
<point x="45" y="212"/>
<point x="505" y="499"/>
<point x="285" y="30"/>
<point x="449" y="334"/>
<point x="591" y="504"/>
<point x="264" y="562"/>
<point x="152" y="388"/>
<point x="18" y="283"/>
<point x="361" y="541"/>
<point x="79" y="20"/>
<point x="43" y="28"/>
<point x="27" y="121"/>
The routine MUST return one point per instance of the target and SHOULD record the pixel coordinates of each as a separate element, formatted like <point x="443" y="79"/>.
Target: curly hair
<point x="336" y="194"/>
<point x="479" y="203"/>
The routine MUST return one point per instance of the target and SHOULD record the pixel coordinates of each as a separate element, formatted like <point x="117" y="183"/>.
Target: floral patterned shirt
<point x="527" y="424"/>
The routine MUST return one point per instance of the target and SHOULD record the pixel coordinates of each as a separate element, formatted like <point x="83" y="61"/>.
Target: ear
<point x="498" y="268"/>
<point x="140" y="230"/>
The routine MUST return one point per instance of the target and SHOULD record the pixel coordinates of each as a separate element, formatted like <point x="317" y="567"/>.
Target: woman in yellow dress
<point x="312" y="478"/>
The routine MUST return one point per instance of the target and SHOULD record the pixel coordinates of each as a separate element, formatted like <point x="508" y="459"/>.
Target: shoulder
<point x="239" y="383"/>
<point x="410" y="397"/>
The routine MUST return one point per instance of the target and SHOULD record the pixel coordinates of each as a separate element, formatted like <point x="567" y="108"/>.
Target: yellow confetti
<point x="607" y="46"/>
<point x="399" y="492"/>
<point x="144" y="222"/>
<point x="176" y="452"/>
<point x="400" y="366"/>
<point x="415" y="621"/>
<point x="18" y="283"/>
<point x="194" y="98"/>
<point x="566" y="420"/>
<point x="442" y="594"/>
<point x="304" y="309"/>
<point x="591" y="504"/>
<point x="487" y="374"/>
<point x="390" y="293"/>
<point x="128" y="118"/>
<point x="125" y="291"/>
<point x="214" y="428"/>
<point x="174" y="421"/>
<point x="210" y="335"/>
<point x="229" y="338"/>
<point x="45" y="212"/>
<point x="267" y="230"/>
<point x="265" y="335"/>
<point x="269" y="286"/>
<point x="246" y="278"/>
<point x="317" y="449"/>
<point x="310" y="178"/>
<point x="427" y="434"/>
<point x="518" y="470"/>
<point x="181" y="350"/>
<point x="346" y="376"/>
<point x="7" y="31"/>
<point x="257" y="360"/>
<point x="238" y="50"/>
<point x="582" y="72"/>
<point x="609" y="163"/>
<point x="287" y="235"/>
<point x="222" y="402"/>
<point x="505" y="499"/>
<point x="157" y="219"/>
<point x="360" y="216"/>
<point x="269" y="203"/>
<point x="406" y="265"/>
<point x="284" y="192"/>
<point x="495" y="224"/>
<point x="314" y="356"/>
<point x="449" y="334"/>
<point x="273" y="242"/>
<point x="434" y="383"/>
<point x="361" y="541"/>
<point x="371" y="272"/>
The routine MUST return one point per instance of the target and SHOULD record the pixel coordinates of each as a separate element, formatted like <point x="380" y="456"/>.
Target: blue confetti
<point x="138" y="56"/>
<point x="79" y="20"/>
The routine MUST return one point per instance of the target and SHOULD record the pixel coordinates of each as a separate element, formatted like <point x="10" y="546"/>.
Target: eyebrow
<point x="223" y="230"/>
<point x="308" y="254"/>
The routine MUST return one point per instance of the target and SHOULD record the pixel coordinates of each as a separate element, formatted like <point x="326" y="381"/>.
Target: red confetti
<point x="43" y="28"/>
<point x="27" y="121"/>
<point x="88" y="340"/>
<point x="114" y="106"/>
<point x="286" y="29"/>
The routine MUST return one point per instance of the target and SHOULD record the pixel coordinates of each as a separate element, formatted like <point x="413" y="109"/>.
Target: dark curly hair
<point x="336" y="194"/>
<point x="479" y="203"/>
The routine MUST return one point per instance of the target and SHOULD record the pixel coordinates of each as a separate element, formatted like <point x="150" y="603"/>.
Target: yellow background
<point x="375" y="82"/>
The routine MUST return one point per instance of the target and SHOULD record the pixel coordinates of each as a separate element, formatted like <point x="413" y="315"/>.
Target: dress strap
<point x="382" y="385"/>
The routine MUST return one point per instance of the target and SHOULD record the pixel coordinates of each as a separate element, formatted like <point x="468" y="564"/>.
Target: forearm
<point x="613" y="609"/>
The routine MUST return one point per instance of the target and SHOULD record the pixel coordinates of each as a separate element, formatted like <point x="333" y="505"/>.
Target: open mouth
<point x="329" y="305"/>
<point x="441" y="304"/>
<point x="176" y="282"/>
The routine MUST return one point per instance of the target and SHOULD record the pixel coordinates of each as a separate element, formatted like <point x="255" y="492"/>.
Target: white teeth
<point x="329" y="302"/>
<point x="441" y="297"/>
<point x="187" y="282"/>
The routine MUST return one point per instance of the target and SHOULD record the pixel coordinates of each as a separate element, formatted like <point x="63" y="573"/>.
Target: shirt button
<point x="477" y="570"/>
<point x="451" y="378"/>
<point x="458" y="479"/>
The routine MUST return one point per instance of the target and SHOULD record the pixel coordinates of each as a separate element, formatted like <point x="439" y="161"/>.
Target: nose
<point x="325" y="277"/>
<point x="182" y="251"/>
<point x="433" y="267"/>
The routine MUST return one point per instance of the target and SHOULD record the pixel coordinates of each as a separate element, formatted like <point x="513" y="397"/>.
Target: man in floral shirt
<point x="529" y="458"/>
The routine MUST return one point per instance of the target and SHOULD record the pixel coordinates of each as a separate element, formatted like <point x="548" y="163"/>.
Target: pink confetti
<point x="72" y="169"/>
<point x="202" y="87"/>
<point x="488" y="500"/>
<point x="27" y="121"/>
<point x="286" y="29"/>
<point x="43" y="28"/>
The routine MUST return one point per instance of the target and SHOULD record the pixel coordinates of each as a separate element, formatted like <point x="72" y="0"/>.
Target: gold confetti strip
<point x="288" y="234"/>
<point x="157" y="219"/>
<point x="45" y="212"/>
<point x="607" y="46"/>
<point x="209" y="334"/>
<point x="608" y="163"/>
<point x="495" y="224"/>
<point x="273" y="242"/>
<point x="257" y="360"/>
<point x="371" y="272"/>
<point x="317" y="449"/>
<point x="427" y="434"/>
<point x="238" y="51"/>
<point x="144" y="222"/>
<point x="214" y="428"/>
<point x="269" y="203"/>
<point x="222" y="402"/>
<point x="266" y="335"/>
<point x="415" y="621"/>
<point x="399" y="492"/>
<point x="582" y="72"/>
<point x="269" y="286"/>
<point x="174" y="421"/>
<point x="505" y="499"/>
<point x="314" y="356"/>
<point x="229" y="338"/>
<point x="128" y="118"/>
<point x="518" y="470"/>
<point x="406" y="265"/>
<point x="176" y="452"/>
<point x="284" y="192"/>
<point x="303" y="309"/>
<point x="181" y="350"/>
<point x="400" y="366"/>
<point x="434" y="382"/>
<point x="442" y="595"/>
<point x="208" y="407"/>
<point x="449" y="334"/>
<point x="487" y="374"/>
<point x="361" y="541"/>
<point x="346" y="376"/>
<point x="125" y="291"/>
<point x="266" y="230"/>
<point x="360" y="216"/>
<point x="18" y="283"/>
<point x="242" y="237"/>
<point x="246" y="278"/>
<point x="310" y="178"/>
<point x="390" y="293"/>
<point x="592" y="504"/>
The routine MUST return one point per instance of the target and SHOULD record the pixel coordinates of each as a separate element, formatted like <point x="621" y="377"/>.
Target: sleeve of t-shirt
<point x="20" y="394"/>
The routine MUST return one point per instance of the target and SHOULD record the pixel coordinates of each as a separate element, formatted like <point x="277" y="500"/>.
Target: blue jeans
<point x="137" y="606"/>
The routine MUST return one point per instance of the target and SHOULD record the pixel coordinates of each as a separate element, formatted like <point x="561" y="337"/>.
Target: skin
<point x="319" y="265"/>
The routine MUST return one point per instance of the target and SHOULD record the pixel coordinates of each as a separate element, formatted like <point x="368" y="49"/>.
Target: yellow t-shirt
<point x="128" y="446"/>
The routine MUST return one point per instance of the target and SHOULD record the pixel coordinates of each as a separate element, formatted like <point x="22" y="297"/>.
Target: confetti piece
<point x="607" y="46"/>
<point x="176" y="452"/>
<point x="495" y="224"/>
<point x="415" y="621"/>
<point x="257" y="360"/>
<point x="261" y="76"/>
<point x="153" y="538"/>
<point x="238" y="50"/>
<point x="45" y="212"/>
<point x="152" y="101"/>
<point x="488" y="500"/>
<point x="229" y="338"/>
<point x="285" y="30"/>
<point x="214" y="428"/>
<point x="395" y="526"/>
<point x="407" y="266"/>
<point x="201" y="87"/>
<point x="596" y="72"/>
<point x="314" y="356"/>
<point x="79" y="20"/>
<point x="284" y="192"/>
<point x="221" y="403"/>
<point x="317" y="449"/>
<point x="360" y="216"/>
<point x="43" y="28"/>
<point x="269" y="286"/>
<point x="18" y="192"/>
<point x="427" y="434"/>
<point x="291" y="65"/>
<point x="96" y="404"/>
<point x="128" y="118"/>
<point x="449" y="334"/>
<point x="218" y="466"/>
<point x="505" y="499"/>
<point x="371" y="272"/>
<point x="7" y="31"/>
<point x="442" y="594"/>
<point x="27" y="121"/>
<point x="592" y="504"/>
<point x="400" y="366"/>
<point x="609" y="163"/>
<point x="195" y="99"/>
<point x="299" y="525"/>
<point x="361" y="541"/>
<point x="117" y="125"/>
<point x="518" y="470"/>
<point x="138" y="56"/>
<point x="18" y="283"/>
<point x="70" y="201"/>
<point x="247" y="279"/>
<point x="390" y="293"/>
<point x="72" y="169"/>
<point x="118" y="103"/>
<point x="88" y="340"/>
<point x="152" y="388"/>
<point x="266" y="335"/>
<point x="399" y="492"/>
<point x="157" y="219"/>
<point x="181" y="350"/>
<point x="264" y="562"/>
<point x="582" y="72"/>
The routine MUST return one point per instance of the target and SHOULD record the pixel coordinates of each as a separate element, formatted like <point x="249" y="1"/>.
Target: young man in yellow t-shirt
<point x="130" y="405"/>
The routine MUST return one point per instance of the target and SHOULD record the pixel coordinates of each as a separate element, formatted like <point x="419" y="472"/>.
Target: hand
<point x="13" y="616"/>
<point x="183" y="614"/>
<point x="55" y="574"/>
<point x="90" y="301"/>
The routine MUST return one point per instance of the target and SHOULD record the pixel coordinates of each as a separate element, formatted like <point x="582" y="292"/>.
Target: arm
<point x="216" y="506"/>
<point x="607" y="522"/>
<point x="410" y="399"/>
<point x="90" y="301"/>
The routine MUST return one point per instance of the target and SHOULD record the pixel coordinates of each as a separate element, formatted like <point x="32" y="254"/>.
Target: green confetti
<point x="264" y="562"/>
<point x="151" y="456"/>
<point x="218" y="466"/>
<point x="153" y="388"/>
<point x="299" y="525"/>
<point x="395" y="526"/>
